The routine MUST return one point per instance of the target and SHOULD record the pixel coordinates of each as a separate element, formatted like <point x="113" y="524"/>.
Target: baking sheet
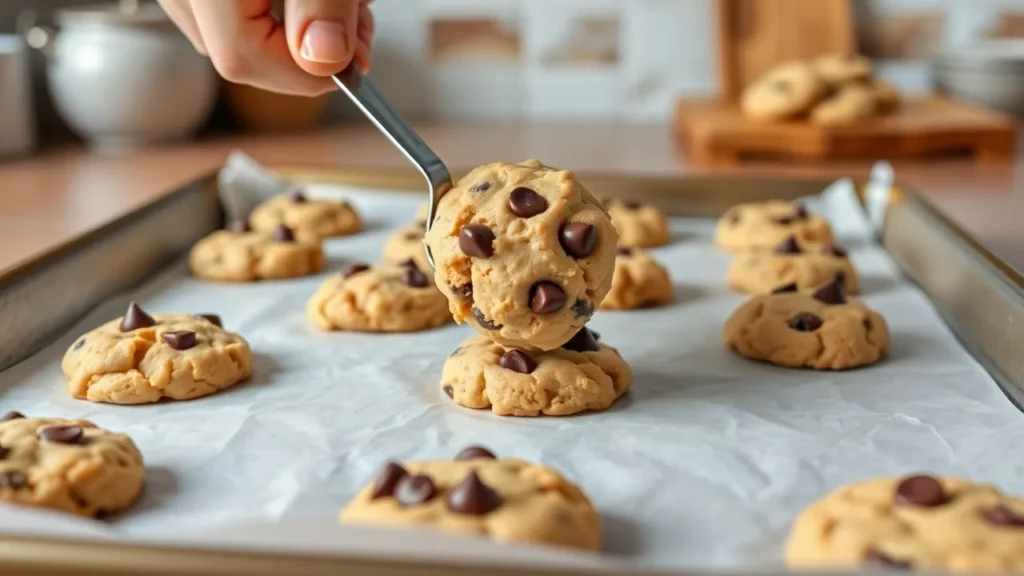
<point x="703" y="464"/>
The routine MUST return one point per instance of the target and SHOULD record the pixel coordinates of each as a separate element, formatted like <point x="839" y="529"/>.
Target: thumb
<point x="322" y="33"/>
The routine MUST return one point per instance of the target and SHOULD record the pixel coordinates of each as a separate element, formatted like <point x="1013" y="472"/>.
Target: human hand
<point x="248" y="45"/>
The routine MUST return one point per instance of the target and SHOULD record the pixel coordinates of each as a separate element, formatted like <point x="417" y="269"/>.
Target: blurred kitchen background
<point x="569" y="60"/>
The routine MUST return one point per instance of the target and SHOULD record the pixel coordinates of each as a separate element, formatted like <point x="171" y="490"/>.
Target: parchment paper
<point x="703" y="464"/>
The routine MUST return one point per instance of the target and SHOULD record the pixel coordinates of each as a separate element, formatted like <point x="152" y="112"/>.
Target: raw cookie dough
<point x="921" y="522"/>
<point x="800" y="330"/>
<point x="140" y="359"/>
<point x="768" y="224"/>
<point x="506" y="500"/>
<point x="385" y="298"/>
<point x="406" y="244"/>
<point x="807" y="265"/>
<point x="583" y="375"/>
<point x="68" y="465"/>
<point x="836" y="69"/>
<point x="311" y="219"/>
<point x="639" y="282"/>
<point x="244" y="256"/>
<point x="523" y="252"/>
<point x="849" y="104"/>
<point x="787" y="91"/>
<point x="639" y="225"/>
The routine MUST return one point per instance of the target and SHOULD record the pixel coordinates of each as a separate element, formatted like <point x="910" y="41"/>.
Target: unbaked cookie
<point x="768" y="224"/>
<point x="836" y="69"/>
<point x="639" y="282"/>
<point x="241" y="255"/>
<point x="921" y="522"/>
<point x="582" y="375"/>
<point x="523" y="252"/>
<point x="311" y="219"/>
<point x="68" y="465"/>
<point x="824" y="331"/>
<point x="503" y="499"/>
<point x="784" y="92"/>
<point x="639" y="225"/>
<point x="386" y="298"/>
<point x="140" y="359"/>
<point x="804" y="266"/>
<point x="851" y="103"/>
<point x="406" y="244"/>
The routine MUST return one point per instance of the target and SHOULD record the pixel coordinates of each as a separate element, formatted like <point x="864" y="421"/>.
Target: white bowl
<point x="989" y="73"/>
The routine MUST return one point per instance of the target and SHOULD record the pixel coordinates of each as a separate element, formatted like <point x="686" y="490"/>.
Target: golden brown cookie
<point x="639" y="225"/>
<point x="241" y="255"/>
<point x="838" y="69"/>
<point x="311" y="219"/>
<point x="787" y="91"/>
<point x="405" y="245"/>
<point x="765" y="225"/>
<point x="792" y="266"/>
<point x="850" y="104"/>
<point x="639" y="282"/>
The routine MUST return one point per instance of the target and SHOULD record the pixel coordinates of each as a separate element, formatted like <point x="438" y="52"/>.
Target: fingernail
<point x="325" y="42"/>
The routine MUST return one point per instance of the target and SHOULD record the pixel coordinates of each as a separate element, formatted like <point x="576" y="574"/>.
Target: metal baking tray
<point x="980" y="297"/>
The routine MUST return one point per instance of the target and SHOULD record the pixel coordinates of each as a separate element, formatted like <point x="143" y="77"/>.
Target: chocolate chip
<point x="631" y="204"/>
<point x="1003" y="515"/>
<point x="582" y="308"/>
<point x="791" y="287"/>
<point x="471" y="452"/>
<point x="354" y="269"/>
<point x="583" y="341"/>
<point x="800" y="212"/>
<point x="578" y="239"/>
<point x="476" y="240"/>
<point x="783" y="220"/>
<point x="387" y="480"/>
<point x="12" y="415"/>
<point x="788" y="246"/>
<point x="526" y="203"/>
<point x="240" y="227"/>
<point x="733" y="217"/>
<point x="414" y="278"/>
<point x="63" y="434"/>
<point x="480" y="187"/>
<point x="449" y="391"/>
<point x="408" y="263"/>
<point x="483" y="321"/>
<point x="136" y="318"/>
<point x="546" y="297"/>
<point x="79" y="344"/>
<point x="298" y="197"/>
<point x="101" y="514"/>
<point x="180" y="339"/>
<point x="13" y="480"/>
<point x="920" y="490"/>
<point x="464" y="291"/>
<point x="421" y="224"/>
<point x="212" y="319"/>
<point x="414" y="236"/>
<point x="471" y="496"/>
<point x="283" y="234"/>
<point x="414" y="490"/>
<point x="874" y="558"/>
<point x="595" y="334"/>
<point x="623" y="251"/>
<point x="518" y="361"/>
<point x="805" y="322"/>
<point x="834" y="250"/>
<point x="831" y="293"/>
<point x="3" y="452"/>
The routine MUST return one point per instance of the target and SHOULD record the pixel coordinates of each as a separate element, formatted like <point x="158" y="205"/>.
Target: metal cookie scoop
<point x="376" y="107"/>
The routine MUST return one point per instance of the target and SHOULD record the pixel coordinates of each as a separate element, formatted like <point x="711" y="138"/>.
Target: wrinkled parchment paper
<point x="703" y="464"/>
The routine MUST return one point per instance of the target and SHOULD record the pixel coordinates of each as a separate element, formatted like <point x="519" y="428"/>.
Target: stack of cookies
<point x="834" y="89"/>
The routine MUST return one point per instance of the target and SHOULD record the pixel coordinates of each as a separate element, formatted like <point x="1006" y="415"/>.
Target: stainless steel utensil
<point x="376" y="107"/>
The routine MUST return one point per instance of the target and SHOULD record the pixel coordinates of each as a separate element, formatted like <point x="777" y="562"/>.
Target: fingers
<point x="364" y="37"/>
<point x="322" y="34"/>
<point x="180" y="12"/>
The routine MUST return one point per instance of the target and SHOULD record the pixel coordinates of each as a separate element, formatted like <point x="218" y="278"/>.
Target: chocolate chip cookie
<point x="824" y="330"/>
<point x="385" y="298"/>
<point x="311" y="219"/>
<point x="920" y="522"/>
<point x="140" y="359"/>
<point x="242" y="255"/>
<point x="767" y="224"/>
<point x="581" y="375"/>
<point x="523" y="252"/>
<point x="67" y="465"/>
<point x="639" y="225"/>
<point x="851" y="103"/>
<point x="405" y="245"/>
<point x="784" y="92"/>
<point x="503" y="499"/>
<point x="639" y="282"/>
<point x="804" y="266"/>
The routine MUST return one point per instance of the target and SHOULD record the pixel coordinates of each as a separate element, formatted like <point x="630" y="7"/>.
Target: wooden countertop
<point x="60" y="194"/>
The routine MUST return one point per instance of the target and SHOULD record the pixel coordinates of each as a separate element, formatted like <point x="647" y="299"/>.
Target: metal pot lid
<point x="123" y="13"/>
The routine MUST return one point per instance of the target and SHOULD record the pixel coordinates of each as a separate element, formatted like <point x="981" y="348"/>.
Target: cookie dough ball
<point x="523" y="252"/>
<point x="838" y="69"/>
<point x="765" y="225"/>
<point x="406" y="245"/>
<point x="311" y="219"/>
<point x="582" y="375"/>
<point x="241" y="255"/>
<point x="639" y="282"/>
<point x="386" y="298"/>
<point x="68" y="465"/>
<point x="140" y="359"/>
<point x="639" y="225"/>
<point x="503" y="499"/>
<point x="792" y="266"/>
<point x="921" y="522"/>
<point x="851" y="103"/>
<point x="824" y="330"/>
<point x="787" y="91"/>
